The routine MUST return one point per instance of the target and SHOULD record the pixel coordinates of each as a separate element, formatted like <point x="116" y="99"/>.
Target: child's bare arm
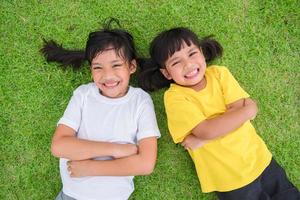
<point x="237" y="104"/>
<point x="227" y="122"/>
<point x="240" y="103"/>
<point x="192" y="142"/>
<point x="140" y="164"/>
<point x="250" y="101"/>
<point x="66" y="145"/>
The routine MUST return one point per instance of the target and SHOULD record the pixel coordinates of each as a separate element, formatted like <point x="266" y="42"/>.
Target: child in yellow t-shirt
<point x="209" y="114"/>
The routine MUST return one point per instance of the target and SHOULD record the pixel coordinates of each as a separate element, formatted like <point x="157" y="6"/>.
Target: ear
<point x="166" y="73"/>
<point x="200" y="48"/>
<point x="132" y="66"/>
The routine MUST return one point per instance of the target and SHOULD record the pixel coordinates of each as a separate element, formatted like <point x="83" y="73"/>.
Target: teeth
<point x="111" y="84"/>
<point x="192" y="73"/>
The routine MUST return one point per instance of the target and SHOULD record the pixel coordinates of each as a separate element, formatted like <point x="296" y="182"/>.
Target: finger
<point x="69" y="171"/>
<point x="183" y="143"/>
<point x="187" y="147"/>
<point x="69" y="168"/>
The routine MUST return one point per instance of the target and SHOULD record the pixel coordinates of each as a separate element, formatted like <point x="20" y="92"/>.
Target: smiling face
<point x="111" y="73"/>
<point x="186" y="66"/>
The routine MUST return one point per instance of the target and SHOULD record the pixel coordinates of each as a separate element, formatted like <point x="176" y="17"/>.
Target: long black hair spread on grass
<point x="106" y="38"/>
<point x="165" y="45"/>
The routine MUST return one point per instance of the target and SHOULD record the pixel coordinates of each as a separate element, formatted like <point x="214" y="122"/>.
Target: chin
<point x="114" y="94"/>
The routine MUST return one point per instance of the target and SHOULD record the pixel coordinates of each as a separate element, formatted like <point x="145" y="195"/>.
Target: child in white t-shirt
<point x="108" y="132"/>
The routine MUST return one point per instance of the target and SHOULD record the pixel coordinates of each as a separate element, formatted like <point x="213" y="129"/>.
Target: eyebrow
<point x="192" y="49"/>
<point x="96" y="64"/>
<point x="172" y="60"/>
<point x="189" y="51"/>
<point x="116" y="61"/>
<point x="112" y="62"/>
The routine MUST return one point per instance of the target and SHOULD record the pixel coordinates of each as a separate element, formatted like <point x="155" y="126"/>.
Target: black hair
<point x="106" y="38"/>
<point x="164" y="46"/>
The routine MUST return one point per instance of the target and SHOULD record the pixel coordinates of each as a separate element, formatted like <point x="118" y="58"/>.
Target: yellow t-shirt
<point x="226" y="163"/>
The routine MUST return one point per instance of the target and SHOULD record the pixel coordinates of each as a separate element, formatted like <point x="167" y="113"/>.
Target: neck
<point x="127" y="89"/>
<point x="199" y="86"/>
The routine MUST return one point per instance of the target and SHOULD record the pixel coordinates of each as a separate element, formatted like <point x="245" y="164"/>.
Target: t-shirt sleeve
<point x="147" y="124"/>
<point x="183" y="115"/>
<point x="72" y="114"/>
<point x="232" y="91"/>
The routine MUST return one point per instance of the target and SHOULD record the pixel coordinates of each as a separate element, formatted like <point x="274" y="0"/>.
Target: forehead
<point x="183" y="49"/>
<point x="108" y="55"/>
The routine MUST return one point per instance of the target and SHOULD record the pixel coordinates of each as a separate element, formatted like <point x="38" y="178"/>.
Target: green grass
<point x="261" y="42"/>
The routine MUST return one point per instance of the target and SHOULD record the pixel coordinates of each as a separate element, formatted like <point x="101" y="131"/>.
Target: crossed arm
<point x="129" y="159"/>
<point x="237" y="113"/>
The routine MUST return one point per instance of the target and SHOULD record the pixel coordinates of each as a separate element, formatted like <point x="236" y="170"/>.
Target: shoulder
<point x="83" y="90"/>
<point x="222" y="73"/>
<point x="175" y="94"/>
<point x="139" y="95"/>
<point x="140" y="92"/>
<point x="216" y="70"/>
<point x="140" y="100"/>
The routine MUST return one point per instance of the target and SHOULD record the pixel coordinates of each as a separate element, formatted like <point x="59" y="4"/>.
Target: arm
<point x="238" y="113"/>
<point x="139" y="164"/>
<point x="65" y="144"/>
<point x="242" y="103"/>
<point x="192" y="142"/>
<point x="237" y="104"/>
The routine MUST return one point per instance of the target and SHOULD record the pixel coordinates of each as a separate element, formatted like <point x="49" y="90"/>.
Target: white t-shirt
<point x="95" y="117"/>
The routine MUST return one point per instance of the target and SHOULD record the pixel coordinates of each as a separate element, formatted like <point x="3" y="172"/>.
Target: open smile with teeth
<point x="111" y="84"/>
<point x="192" y="74"/>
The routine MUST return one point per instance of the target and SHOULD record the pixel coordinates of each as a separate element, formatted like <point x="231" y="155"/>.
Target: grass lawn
<point x="261" y="48"/>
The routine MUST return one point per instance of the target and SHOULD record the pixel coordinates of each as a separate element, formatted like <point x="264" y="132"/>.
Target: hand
<point x="235" y="105"/>
<point x="247" y="104"/>
<point x="79" y="168"/>
<point x="192" y="142"/>
<point x="230" y="109"/>
<point x="253" y="110"/>
<point x="124" y="150"/>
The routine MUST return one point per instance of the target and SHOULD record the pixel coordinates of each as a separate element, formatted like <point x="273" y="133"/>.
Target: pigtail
<point x="211" y="48"/>
<point x="149" y="76"/>
<point x="54" y="52"/>
<point x="107" y="23"/>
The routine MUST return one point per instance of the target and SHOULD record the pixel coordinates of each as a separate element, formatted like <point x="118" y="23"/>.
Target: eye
<point x="97" y="68"/>
<point x="193" y="53"/>
<point x="175" y="63"/>
<point x="117" y="65"/>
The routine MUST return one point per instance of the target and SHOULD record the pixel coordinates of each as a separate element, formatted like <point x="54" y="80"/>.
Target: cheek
<point x="202" y="60"/>
<point x="176" y="75"/>
<point x="96" y="76"/>
<point x="177" y="71"/>
<point x="125" y="75"/>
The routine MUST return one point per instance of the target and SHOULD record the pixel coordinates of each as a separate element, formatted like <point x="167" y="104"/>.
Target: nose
<point x="108" y="72"/>
<point x="187" y="64"/>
